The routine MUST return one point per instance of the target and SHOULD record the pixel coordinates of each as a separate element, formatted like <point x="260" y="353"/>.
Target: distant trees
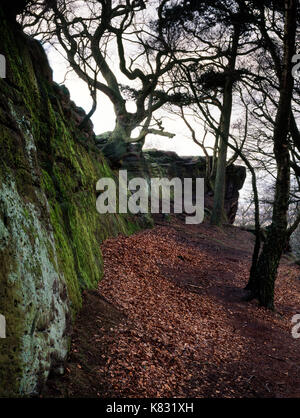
<point x="261" y="283"/>
<point x="273" y="41"/>
<point x="226" y="29"/>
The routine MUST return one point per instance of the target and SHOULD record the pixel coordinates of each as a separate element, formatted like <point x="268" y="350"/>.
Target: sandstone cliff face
<point x="50" y="231"/>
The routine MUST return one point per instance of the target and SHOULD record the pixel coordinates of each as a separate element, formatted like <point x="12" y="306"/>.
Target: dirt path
<point x="168" y="321"/>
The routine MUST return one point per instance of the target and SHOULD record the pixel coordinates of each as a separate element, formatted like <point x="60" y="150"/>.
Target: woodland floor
<point x="168" y="320"/>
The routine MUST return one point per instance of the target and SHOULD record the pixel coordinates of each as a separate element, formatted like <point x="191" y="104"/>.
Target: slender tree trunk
<point x="263" y="279"/>
<point x="257" y="217"/>
<point x="257" y="244"/>
<point x="217" y="216"/>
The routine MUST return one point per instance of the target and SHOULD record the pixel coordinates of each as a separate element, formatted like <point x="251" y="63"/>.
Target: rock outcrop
<point x="50" y="231"/>
<point x="169" y="164"/>
<point x="156" y="163"/>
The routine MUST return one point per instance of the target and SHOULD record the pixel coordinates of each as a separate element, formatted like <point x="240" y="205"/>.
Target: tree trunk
<point x="257" y="245"/>
<point x="117" y="145"/>
<point x="263" y="280"/>
<point x="218" y="215"/>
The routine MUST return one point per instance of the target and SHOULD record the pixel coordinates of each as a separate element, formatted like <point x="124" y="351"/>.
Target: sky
<point x="103" y="119"/>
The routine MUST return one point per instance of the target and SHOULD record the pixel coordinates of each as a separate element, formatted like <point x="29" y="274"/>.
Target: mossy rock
<point x="50" y="231"/>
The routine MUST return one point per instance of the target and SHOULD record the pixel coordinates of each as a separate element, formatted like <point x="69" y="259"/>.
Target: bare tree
<point x="261" y="284"/>
<point x="96" y="34"/>
<point x="222" y="27"/>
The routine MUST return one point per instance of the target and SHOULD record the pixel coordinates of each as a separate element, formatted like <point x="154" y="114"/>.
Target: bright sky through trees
<point x="103" y="118"/>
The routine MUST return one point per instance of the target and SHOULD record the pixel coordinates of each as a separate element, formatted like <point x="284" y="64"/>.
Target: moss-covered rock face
<point x="50" y="231"/>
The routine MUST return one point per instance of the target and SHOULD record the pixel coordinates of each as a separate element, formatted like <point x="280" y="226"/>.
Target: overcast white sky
<point x="103" y="118"/>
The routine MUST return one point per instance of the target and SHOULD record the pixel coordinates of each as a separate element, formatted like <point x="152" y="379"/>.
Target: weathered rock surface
<point x="50" y="231"/>
<point x="155" y="163"/>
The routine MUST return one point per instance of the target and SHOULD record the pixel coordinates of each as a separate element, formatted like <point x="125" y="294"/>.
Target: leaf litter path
<point x="168" y="320"/>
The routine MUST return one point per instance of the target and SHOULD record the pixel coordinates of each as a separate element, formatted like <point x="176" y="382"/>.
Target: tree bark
<point x="262" y="282"/>
<point x="117" y="144"/>
<point x="218" y="215"/>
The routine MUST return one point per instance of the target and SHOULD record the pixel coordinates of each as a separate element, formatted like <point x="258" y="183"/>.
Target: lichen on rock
<point x="50" y="230"/>
<point x="31" y="293"/>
